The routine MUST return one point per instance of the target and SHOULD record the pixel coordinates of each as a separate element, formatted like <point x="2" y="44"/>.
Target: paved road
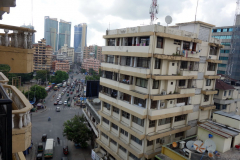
<point x="54" y="128"/>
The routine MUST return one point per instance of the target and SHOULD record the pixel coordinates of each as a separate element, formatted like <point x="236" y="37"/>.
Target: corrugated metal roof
<point x="230" y="115"/>
<point x="223" y="132"/>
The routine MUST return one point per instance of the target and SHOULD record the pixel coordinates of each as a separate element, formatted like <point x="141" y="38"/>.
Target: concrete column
<point x="24" y="120"/>
<point x="132" y="100"/>
<point x="130" y="120"/>
<point x="111" y="110"/>
<point x="120" y="41"/>
<point x="123" y="41"/>
<point x="135" y="62"/>
<point x="132" y="41"/>
<point x="6" y="37"/>
<point x="186" y="121"/>
<point x="191" y="45"/>
<point x="137" y="41"/>
<point x="117" y="148"/>
<point x="20" y="121"/>
<point x="173" y="120"/>
<point x="120" y="115"/>
<point x="15" y="38"/>
<point x="13" y="120"/>
<point x="181" y="47"/>
<point x="115" y="41"/>
<point x="25" y="40"/>
<point x="30" y="41"/>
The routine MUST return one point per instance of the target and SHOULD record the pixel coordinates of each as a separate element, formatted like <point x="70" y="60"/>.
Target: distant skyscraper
<point x="80" y="37"/>
<point x="64" y="33"/>
<point x="30" y="27"/>
<point x="51" y="32"/>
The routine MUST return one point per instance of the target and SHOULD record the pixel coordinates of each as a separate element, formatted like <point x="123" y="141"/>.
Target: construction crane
<point x="153" y="11"/>
<point x="233" y="70"/>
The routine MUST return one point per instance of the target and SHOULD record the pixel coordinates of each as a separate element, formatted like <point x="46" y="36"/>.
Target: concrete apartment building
<point x="42" y="57"/>
<point x="60" y="66"/>
<point x="91" y="63"/>
<point x="155" y="87"/>
<point x="51" y="32"/>
<point x="69" y="51"/>
<point x="97" y="50"/>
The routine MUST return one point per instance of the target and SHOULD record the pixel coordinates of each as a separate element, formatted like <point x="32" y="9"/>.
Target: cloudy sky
<point x="119" y="13"/>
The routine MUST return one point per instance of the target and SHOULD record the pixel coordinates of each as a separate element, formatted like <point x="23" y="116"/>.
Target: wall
<point x="227" y="121"/>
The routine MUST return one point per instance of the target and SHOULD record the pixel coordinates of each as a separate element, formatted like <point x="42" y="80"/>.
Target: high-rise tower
<point x="51" y="32"/>
<point x="64" y="33"/>
<point x="80" y="37"/>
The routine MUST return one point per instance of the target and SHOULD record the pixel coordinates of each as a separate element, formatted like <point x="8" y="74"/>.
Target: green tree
<point x="92" y="72"/>
<point x="42" y="75"/>
<point x="40" y="93"/>
<point x="59" y="77"/>
<point x="75" y="130"/>
<point x="83" y="70"/>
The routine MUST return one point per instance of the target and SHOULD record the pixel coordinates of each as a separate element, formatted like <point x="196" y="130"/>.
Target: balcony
<point x="188" y="73"/>
<point x="177" y="58"/>
<point x="170" y="96"/>
<point x="169" y="112"/>
<point x="16" y="48"/>
<point x="92" y="124"/>
<point x="209" y="92"/>
<point x="21" y="122"/>
<point x="173" y="77"/>
<point x="211" y="76"/>
<point x="185" y="90"/>
<point x="207" y="107"/>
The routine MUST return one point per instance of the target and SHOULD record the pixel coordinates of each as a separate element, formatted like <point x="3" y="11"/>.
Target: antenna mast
<point x="153" y="11"/>
<point x="234" y="58"/>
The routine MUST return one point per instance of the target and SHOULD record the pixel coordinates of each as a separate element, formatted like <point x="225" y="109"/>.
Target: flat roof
<point x="92" y="107"/>
<point x="229" y="115"/>
<point x="207" y="24"/>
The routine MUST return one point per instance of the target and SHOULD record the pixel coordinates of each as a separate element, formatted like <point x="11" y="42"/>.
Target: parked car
<point x="60" y="102"/>
<point x="58" y="109"/>
<point x="55" y="103"/>
<point x="39" y="156"/>
<point x="58" y="99"/>
<point x="65" y="103"/>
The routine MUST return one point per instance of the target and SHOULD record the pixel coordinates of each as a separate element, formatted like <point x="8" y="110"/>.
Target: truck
<point x="55" y="88"/>
<point x="64" y="84"/>
<point x="69" y="102"/>
<point x="68" y="83"/>
<point x="48" y="153"/>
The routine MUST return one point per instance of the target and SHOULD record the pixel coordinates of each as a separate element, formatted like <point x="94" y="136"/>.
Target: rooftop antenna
<point x="153" y="10"/>
<point x="196" y="12"/>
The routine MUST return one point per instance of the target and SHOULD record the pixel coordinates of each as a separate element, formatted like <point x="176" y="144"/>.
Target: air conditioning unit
<point x="164" y="92"/>
<point x="162" y="104"/>
<point x="162" y="141"/>
<point x="210" y="57"/>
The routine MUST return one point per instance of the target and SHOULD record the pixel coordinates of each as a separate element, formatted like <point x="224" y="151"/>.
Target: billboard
<point x="93" y="88"/>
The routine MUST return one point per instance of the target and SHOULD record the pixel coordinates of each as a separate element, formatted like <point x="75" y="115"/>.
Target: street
<point x="54" y="128"/>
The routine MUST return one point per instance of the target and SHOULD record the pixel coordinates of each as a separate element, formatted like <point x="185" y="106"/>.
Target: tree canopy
<point x="59" y="77"/>
<point x="83" y="70"/>
<point x="41" y="74"/>
<point x="40" y="93"/>
<point x="75" y="130"/>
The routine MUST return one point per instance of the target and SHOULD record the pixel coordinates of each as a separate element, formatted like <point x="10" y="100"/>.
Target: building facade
<point x="155" y="87"/>
<point x="51" y="32"/>
<point x="93" y="51"/>
<point x="42" y="57"/>
<point x="68" y="51"/>
<point x="64" y="33"/>
<point x="91" y="63"/>
<point x="80" y="37"/>
<point x="30" y="27"/>
<point x="60" y="66"/>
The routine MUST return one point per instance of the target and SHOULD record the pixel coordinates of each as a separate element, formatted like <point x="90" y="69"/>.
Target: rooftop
<point x="200" y="22"/>
<point x="94" y="108"/>
<point x="230" y="115"/>
<point x="222" y="85"/>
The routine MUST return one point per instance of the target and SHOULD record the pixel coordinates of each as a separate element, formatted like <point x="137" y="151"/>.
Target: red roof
<point x="222" y="85"/>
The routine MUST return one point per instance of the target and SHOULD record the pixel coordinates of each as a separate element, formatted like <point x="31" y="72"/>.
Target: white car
<point x="65" y="103"/>
<point x="58" y="99"/>
<point x="60" y="102"/>
<point x="58" y="109"/>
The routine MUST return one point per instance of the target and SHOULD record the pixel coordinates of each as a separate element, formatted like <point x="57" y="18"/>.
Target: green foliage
<point x="42" y="75"/>
<point x="92" y="72"/>
<point x="59" y="77"/>
<point x="4" y="68"/>
<point x="83" y="70"/>
<point x="75" y="130"/>
<point x="40" y="93"/>
<point x="93" y="77"/>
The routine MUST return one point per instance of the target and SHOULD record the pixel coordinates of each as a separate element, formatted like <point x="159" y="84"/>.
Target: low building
<point x="68" y="51"/>
<point x="42" y="57"/>
<point x="228" y="97"/>
<point x="60" y="66"/>
<point x="91" y="63"/>
<point x="96" y="50"/>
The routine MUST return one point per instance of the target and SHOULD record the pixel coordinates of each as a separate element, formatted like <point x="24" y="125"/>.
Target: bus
<point x="55" y="88"/>
<point x="48" y="153"/>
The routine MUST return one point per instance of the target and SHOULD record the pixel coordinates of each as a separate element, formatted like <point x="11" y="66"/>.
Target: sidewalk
<point x="32" y="153"/>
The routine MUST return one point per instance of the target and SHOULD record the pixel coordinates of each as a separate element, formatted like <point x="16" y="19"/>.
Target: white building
<point x="155" y="87"/>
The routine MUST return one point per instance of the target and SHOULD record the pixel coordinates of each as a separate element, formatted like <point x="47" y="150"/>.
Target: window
<point x="113" y="142"/>
<point x="180" y="118"/>
<point x="229" y="93"/>
<point x="217" y="106"/>
<point x="126" y="97"/>
<point x="144" y="41"/>
<point x="111" y="42"/>
<point x="211" y="66"/>
<point x="222" y="65"/>
<point x="224" y="51"/>
<point x="149" y="143"/>
<point x="140" y="102"/>
<point x="171" y="83"/>
<point x="138" y="121"/>
<point x="108" y="74"/>
<point x="181" y="83"/>
<point x="152" y="123"/>
<point x="106" y="105"/>
<point x="224" y="106"/>
<point x="186" y="45"/>
<point x="122" y="148"/>
<point x="105" y="120"/>
<point x="208" y="82"/>
<point x="173" y="64"/>
<point x="116" y="110"/>
<point x="159" y="42"/>
<point x="124" y="132"/>
<point x="226" y="43"/>
<point x="223" y="58"/>
<point x="184" y="65"/>
<point x="157" y="63"/>
<point x="125" y="114"/>
<point x="225" y="93"/>
<point x="141" y="82"/>
<point x="110" y="58"/>
<point x="128" y="61"/>
<point x="133" y="156"/>
<point x="164" y="121"/>
<point x="143" y="62"/>
<point x="177" y="42"/>
<point x="154" y="104"/>
<point x="135" y="139"/>
<point x="180" y="134"/>
<point x="104" y="135"/>
<point x="206" y="98"/>
<point x="155" y="84"/>
<point x="213" y="51"/>
<point x="114" y="126"/>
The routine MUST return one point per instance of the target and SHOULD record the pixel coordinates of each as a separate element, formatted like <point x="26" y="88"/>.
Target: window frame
<point x="206" y="98"/>
<point x="159" y="43"/>
<point x="157" y="63"/>
<point x="152" y="123"/>
<point x="141" y="82"/>
<point x="208" y="82"/>
<point x="155" y="84"/>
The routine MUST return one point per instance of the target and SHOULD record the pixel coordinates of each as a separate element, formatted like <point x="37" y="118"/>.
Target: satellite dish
<point x="210" y="145"/>
<point x="168" y="19"/>
<point x="199" y="146"/>
<point x="190" y="145"/>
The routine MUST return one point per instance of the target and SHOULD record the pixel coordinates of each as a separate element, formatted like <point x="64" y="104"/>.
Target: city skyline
<point x="99" y="14"/>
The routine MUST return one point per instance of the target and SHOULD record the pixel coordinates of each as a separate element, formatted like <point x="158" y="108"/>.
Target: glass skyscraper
<point x="64" y="33"/>
<point x="51" y="32"/>
<point x="80" y="37"/>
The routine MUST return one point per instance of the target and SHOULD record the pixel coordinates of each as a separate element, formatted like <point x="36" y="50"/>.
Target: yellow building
<point x="158" y="82"/>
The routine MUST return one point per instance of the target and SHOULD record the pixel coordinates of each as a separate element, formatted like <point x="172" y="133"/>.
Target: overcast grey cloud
<point x="119" y="13"/>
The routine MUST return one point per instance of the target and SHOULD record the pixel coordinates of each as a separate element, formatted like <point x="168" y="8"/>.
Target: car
<point x="55" y="103"/>
<point x="64" y="158"/>
<point x="59" y="95"/>
<point x="58" y="109"/>
<point x="67" y="91"/>
<point x="58" y="99"/>
<point x="39" y="156"/>
<point x="71" y="92"/>
<point x="65" y="103"/>
<point x="60" y="102"/>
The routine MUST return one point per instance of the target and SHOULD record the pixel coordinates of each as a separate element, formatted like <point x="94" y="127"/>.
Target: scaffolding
<point x="233" y="67"/>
